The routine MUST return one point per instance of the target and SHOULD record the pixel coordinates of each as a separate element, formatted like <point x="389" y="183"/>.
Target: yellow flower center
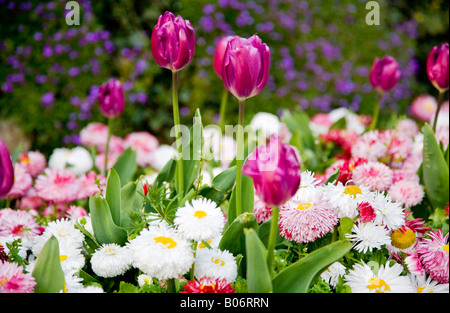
<point x="304" y="206"/>
<point x="421" y="289"/>
<point x="3" y="280"/>
<point x="378" y="284"/>
<point x="403" y="238"/>
<point x="168" y="242"/>
<point x="25" y="159"/>
<point x="63" y="257"/>
<point x="202" y="245"/>
<point x="205" y="286"/>
<point x="352" y="190"/>
<point x="200" y="214"/>
<point x="445" y="248"/>
<point x="218" y="261"/>
<point x="109" y="250"/>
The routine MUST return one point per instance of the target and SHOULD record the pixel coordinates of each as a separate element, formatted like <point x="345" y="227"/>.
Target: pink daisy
<point x="22" y="182"/>
<point x="57" y="210"/>
<point x="401" y="174"/>
<point x="208" y="285"/>
<point x="57" y="185"/>
<point x="76" y="212"/>
<point x="408" y="192"/>
<point x="33" y="161"/>
<point x="14" y="280"/>
<point x="366" y="212"/>
<point x="307" y="217"/>
<point x="424" y="107"/>
<point x="433" y="253"/>
<point x="144" y="144"/>
<point x="100" y="160"/>
<point x="94" y="135"/>
<point x="369" y="146"/>
<point x="262" y="211"/>
<point x="375" y="175"/>
<point x="408" y="127"/>
<point x="414" y="265"/>
<point x="442" y="135"/>
<point x="31" y="201"/>
<point x="400" y="146"/>
<point x="89" y="186"/>
<point x="18" y="223"/>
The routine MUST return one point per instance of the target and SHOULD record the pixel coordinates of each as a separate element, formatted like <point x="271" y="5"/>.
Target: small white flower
<point x="421" y="284"/>
<point x="201" y="220"/>
<point x="345" y="199"/>
<point x="216" y="264"/>
<point x="110" y="260"/>
<point x="369" y="236"/>
<point x="144" y="279"/>
<point x="332" y="273"/>
<point x="389" y="213"/>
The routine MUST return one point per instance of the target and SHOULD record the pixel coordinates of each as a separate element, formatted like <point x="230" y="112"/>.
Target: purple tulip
<point x="6" y="170"/>
<point x="437" y="67"/>
<point x="275" y="169"/>
<point x="172" y="42"/>
<point x="111" y="98"/>
<point x="385" y="73"/>
<point x="246" y="64"/>
<point x="219" y="54"/>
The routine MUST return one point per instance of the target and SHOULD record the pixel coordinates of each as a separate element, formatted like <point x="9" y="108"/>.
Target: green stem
<point x="171" y="285"/>
<point x="223" y="109"/>
<point x="272" y="238"/>
<point x="239" y="157"/>
<point x="107" y="145"/>
<point x="440" y="101"/>
<point x="193" y="264"/>
<point x="376" y="112"/>
<point x="176" y="119"/>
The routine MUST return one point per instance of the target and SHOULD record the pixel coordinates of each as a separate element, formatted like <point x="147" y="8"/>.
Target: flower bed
<point x="321" y="204"/>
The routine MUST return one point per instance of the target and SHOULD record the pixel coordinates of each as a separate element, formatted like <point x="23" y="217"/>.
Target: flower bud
<point x="385" y="73"/>
<point x="6" y="170"/>
<point x="245" y="68"/>
<point x="172" y="42"/>
<point x="111" y="98"/>
<point x="437" y="67"/>
<point x="275" y="169"/>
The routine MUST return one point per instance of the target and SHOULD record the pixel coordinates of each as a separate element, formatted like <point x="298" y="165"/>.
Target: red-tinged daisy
<point x="22" y="182"/>
<point x="366" y="212"/>
<point x="14" y="280"/>
<point x="18" y="223"/>
<point x="387" y="279"/>
<point x="261" y="211"/>
<point x="306" y="217"/>
<point x="414" y="265"/>
<point x="375" y="175"/>
<point x="423" y="284"/>
<point x="408" y="192"/>
<point x="433" y="253"/>
<point x="208" y="285"/>
<point x="60" y="186"/>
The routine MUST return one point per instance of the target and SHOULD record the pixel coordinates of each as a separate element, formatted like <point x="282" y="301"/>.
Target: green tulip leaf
<point x="126" y="165"/>
<point x="258" y="275"/>
<point x="112" y="194"/>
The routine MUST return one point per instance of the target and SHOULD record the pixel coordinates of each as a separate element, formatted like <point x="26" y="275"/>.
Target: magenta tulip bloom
<point x="172" y="42"/>
<point x="437" y="67"/>
<point x="111" y="99"/>
<point x="246" y="64"/>
<point x="385" y="73"/>
<point x="275" y="169"/>
<point x="219" y="53"/>
<point x="6" y="170"/>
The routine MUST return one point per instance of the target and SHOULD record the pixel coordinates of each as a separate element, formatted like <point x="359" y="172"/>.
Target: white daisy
<point x="144" y="279"/>
<point x="71" y="259"/>
<point x="421" y="284"/>
<point x="362" y="279"/>
<point x="161" y="252"/>
<point x="110" y="260"/>
<point x="389" y="213"/>
<point x="216" y="264"/>
<point x="345" y="199"/>
<point x="332" y="273"/>
<point x="201" y="220"/>
<point x="369" y="236"/>
<point x="64" y="231"/>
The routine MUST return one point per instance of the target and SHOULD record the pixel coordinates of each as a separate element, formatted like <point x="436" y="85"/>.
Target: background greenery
<point x="321" y="54"/>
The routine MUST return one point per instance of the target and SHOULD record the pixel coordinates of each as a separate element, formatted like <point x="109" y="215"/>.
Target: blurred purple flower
<point x="47" y="99"/>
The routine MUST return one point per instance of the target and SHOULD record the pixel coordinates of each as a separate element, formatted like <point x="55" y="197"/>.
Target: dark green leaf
<point x="258" y="275"/>
<point x="126" y="165"/>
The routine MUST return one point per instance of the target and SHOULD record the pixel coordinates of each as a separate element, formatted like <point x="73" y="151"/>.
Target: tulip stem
<point x="376" y="111"/>
<point x="272" y="238"/>
<point x="440" y="101"/>
<point x="223" y="109"/>
<point x="171" y="285"/>
<point x="107" y="145"/>
<point x="239" y="157"/>
<point x="176" y="119"/>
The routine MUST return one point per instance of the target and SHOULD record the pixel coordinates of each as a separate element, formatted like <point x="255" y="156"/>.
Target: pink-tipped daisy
<point x="369" y="146"/>
<point x="14" y="280"/>
<point x="414" y="265"/>
<point x="208" y="285"/>
<point x="144" y="144"/>
<point x="22" y="182"/>
<point x="366" y="212"/>
<point x="375" y="175"/>
<point x="433" y="253"/>
<point x="410" y="193"/>
<point x="91" y="183"/>
<point x="33" y="161"/>
<point x="306" y="217"/>
<point x="261" y="211"/>
<point x="424" y="107"/>
<point x="94" y="135"/>
<point x="60" y="186"/>
<point x="18" y="223"/>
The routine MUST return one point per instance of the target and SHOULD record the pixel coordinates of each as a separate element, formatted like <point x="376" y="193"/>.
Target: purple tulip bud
<point x="385" y="73"/>
<point x="275" y="169"/>
<point x="245" y="68"/>
<point x="437" y="67"/>
<point x="6" y="170"/>
<point x="172" y="42"/>
<point x="111" y="98"/>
